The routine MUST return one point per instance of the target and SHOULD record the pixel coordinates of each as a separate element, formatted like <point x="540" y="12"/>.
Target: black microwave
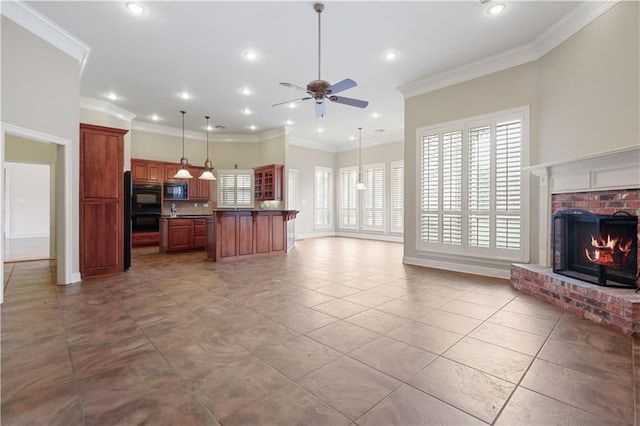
<point x="176" y="190"/>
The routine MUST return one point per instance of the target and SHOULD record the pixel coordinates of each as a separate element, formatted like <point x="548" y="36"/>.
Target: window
<point x="322" y="198"/>
<point x="470" y="186"/>
<point x="397" y="196"/>
<point x="373" y="214"/>
<point x="348" y="198"/>
<point x="292" y="189"/>
<point x="235" y="188"/>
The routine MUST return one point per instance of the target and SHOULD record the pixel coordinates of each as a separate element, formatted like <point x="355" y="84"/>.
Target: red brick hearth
<point x="614" y="308"/>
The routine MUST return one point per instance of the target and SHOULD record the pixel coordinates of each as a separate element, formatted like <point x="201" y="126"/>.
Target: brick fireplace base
<point x="614" y="308"/>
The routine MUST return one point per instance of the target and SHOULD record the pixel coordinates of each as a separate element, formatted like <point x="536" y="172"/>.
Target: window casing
<point x="348" y="208"/>
<point x="322" y="198"/>
<point x="373" y="215"/>
<point x="397" y="196"/>
<point x="471" y="187"/>
<point x="292" y="189"/>
<point x="235" y="188"/>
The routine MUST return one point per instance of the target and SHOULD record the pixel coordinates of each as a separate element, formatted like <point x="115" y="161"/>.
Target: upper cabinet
<point x="268" y="182"/>
<point x="199" y="189"/>
<point x="147" y="171"/>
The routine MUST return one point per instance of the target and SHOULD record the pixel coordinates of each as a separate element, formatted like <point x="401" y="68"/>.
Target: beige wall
<point x="273" y="150"/>
<point x="21" y="150"/>
<point x="305" y="160"/>
<point x="41" y="92"/>
<point x="589" y="88"/>
<point x="583" y="99"/>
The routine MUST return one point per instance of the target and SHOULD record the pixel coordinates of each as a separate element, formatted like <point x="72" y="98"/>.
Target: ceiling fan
<point x="321" y="89"/>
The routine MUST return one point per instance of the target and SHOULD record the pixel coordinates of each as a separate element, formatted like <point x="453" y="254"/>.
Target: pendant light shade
<point x="360" y="186"/>
<point x="183" y="173"/>
<point x="207" y="173"/>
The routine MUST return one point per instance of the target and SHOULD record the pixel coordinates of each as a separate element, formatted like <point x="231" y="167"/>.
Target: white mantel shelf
<point x="611" y="170"/>
<point x="618" y="169"/>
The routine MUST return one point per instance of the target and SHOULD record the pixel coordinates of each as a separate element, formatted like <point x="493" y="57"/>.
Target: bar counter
<point x="233" y="234"/>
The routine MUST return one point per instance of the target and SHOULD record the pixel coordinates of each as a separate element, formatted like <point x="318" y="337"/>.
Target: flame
<point x="596" y="255"/>
<point x="600" y="243"/>
<point x="626" y="248"/>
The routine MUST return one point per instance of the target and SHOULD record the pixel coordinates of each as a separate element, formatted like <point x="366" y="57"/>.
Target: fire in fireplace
<point x="599" y="249"/>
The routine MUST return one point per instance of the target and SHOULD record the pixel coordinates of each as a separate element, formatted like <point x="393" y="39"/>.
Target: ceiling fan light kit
<point x="321" y="89"/>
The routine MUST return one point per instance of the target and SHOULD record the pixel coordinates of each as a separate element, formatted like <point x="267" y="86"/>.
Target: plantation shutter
<point x="397" y="196"/>
<point x="430" y="188"/>
<point x="508" y="184"/>
<point x="374" y="197"/>
<point x="479" y="187"/>
<point x="348" y="197"/>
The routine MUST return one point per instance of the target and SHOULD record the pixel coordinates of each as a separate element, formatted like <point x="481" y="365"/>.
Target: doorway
<point x="28" y="211"/>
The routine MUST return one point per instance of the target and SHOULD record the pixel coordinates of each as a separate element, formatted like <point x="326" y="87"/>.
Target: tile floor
<point x="338" y="331"/>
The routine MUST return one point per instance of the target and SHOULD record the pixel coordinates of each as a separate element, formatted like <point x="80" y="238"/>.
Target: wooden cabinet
<point x="199" y="189"/>
<point x="147" y="171"/>
<point x="145" y="239"/>
<point x="199" y="233"/>
<point x="182" y="234"/>
<point x="268" y="182"/>
<point x="101" y="200"/>
<point x="169" y="172"/>
<point x="233" y="234"/>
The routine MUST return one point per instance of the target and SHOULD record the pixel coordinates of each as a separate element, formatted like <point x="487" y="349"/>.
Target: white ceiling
<point x="198" y="47"/>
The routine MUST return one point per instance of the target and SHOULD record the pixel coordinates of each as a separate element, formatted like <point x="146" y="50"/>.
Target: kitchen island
<point x="233" y="234"/>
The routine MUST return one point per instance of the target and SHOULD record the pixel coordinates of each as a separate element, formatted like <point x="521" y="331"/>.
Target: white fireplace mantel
<point x="617" y="169"/>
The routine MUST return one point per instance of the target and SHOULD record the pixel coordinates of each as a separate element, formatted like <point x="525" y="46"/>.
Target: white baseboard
<point x="495" y="271"/>
<point x="378" y="237"/>
<point x="316" y="235"/>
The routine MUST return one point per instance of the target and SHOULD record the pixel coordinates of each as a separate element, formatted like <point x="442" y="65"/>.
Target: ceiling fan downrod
<point x="319" y="7"/>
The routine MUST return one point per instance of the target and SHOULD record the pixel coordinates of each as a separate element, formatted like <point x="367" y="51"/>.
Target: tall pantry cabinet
<point x="101" y="200"/>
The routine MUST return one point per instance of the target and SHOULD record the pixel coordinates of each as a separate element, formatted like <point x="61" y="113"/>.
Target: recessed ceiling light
<point x="496" y="9"/>
<point x="245" y="91"/>
<point x="155" y="117"/>
<point x="184" y="95"/>
<point x="390" y="56"/>
<point x="112" y="96"/>
<point x="352" y="138"/>
<point x="375" y="115"/>
<point x="289" y="123"/>
<point x="252" y="127"/>
<point x="135" y="8"/>
<point x="209" y="128"/>
<point x="246" y="111"/>
<point x="250" y="56"/>
<point x="291" y="105"/>
<point x="320" y="130"/>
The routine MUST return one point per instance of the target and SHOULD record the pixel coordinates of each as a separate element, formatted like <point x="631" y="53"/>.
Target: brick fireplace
<point x="602" y="185"/>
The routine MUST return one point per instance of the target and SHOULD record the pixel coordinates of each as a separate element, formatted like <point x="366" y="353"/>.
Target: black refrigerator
<point x="126" y="252"/>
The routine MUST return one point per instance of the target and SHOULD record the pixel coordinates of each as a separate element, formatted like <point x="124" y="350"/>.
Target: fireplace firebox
<point x="598" y="249"/>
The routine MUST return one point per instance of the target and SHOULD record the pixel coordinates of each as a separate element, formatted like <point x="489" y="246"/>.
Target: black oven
<point x="146" y="198"/>
<point x="145" y="222"/>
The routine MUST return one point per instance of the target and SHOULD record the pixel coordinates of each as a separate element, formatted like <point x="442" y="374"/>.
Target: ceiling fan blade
<point x="340" y="86"/>
<point x="293" y="86"/>
<point x="349" y="101"/>
<point x="319" y="109"/>
<point x="293" y="100"/>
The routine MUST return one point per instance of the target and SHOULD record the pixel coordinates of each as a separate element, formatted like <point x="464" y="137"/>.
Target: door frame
<point x="63" y="193"/>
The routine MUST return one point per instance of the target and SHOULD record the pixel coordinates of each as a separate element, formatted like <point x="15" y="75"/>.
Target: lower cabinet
<point x="182" y="234"/>
<point x="145" y="238"/>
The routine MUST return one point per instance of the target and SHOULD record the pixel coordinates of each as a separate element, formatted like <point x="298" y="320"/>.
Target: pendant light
<point x="183" y="173"/>
<point x="360" y="186"/>
<point x="207" y="173"/>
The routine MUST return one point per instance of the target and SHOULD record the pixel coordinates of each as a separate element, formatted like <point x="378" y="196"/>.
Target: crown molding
<point x="31" y="20"/>
<point x="305" y="143"/>
<point x="570" y="24"/>
<point x="177" y="132"/>
<point x="272" y="133"/>
<point x="107" y="108"/>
